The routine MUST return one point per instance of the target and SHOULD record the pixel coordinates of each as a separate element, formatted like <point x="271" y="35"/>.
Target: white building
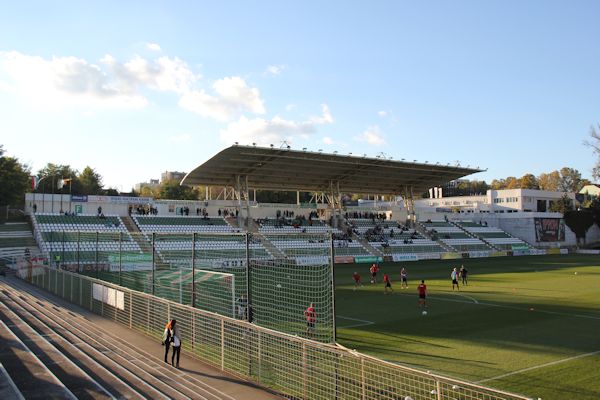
<point x="495" y="201"/>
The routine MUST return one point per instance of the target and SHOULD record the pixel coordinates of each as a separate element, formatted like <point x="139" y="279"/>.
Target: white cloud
<point x="290" y="107"/>
<point x="63" y="80"/>
<point x="183" y="138"/>
<point x="163" y="74"/>
<point x="153" y="46"/>
<point x="382" y="113"/>
<point x="274" y="131"/>
<point x="371" y="136"/>
<point x="275" y="69"/>
<point x="233" y="97"/>
<point x="328" y="140"/>
<point x="326" y="118"/>
<point x="75" y="81"/>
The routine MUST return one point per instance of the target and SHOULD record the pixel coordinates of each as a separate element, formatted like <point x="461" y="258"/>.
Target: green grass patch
<point x="516" y="315"/>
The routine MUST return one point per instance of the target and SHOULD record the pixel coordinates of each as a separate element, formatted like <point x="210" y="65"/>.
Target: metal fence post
<point x="363" y="382"/>
<point x="332" y="266"/>
<point x="222" y="344"/>
<point x="194" y="269"/>
<point x="438" y="387"/>
<point x="153" y="261"/>
<point x="96" y="256"/>
<point x="130" y="310"/>
<point x="248" y="280"/>
<point x="120" y="257"/>
<point x="78" y="256"/>
<point x="304" y="371"/>
<point x="62" y="256"/>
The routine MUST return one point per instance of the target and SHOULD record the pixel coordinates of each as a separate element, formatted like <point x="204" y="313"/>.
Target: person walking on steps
<point x="166" y="340"/>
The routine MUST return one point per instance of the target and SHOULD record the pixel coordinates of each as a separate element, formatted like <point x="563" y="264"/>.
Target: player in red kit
<point x="311" y="319"/>
<point x="374" y="268"/>
<point x="357" y="282"/>
<point x="387" y="283"/>
<point x="422" y="290"/>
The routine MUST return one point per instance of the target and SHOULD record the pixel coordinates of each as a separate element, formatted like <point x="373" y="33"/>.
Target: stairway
<point x="271" y="248"/>
<point x="51" y="349"/>
<point x="141" y="239"/>
<point x="490" y="245"/>
<point x="421" y="229"/>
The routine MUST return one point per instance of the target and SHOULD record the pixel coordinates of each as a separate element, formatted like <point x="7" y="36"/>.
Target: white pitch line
<point x="465" y="296"/>
<point x="362" y="322"/>
<point x="540" y="366"/>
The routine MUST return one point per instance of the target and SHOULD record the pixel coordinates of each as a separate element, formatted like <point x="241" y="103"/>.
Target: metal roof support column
<point x="338" y="199"/>
<point x="248" y="216"/>
<point x="238" y="192"/>
<point x="410" y="205"/>
<point x="335" y="201"/>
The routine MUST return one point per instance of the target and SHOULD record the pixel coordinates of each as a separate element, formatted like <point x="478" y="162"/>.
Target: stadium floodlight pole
<point x="36" y="185"/>
<point x="52" y="200"/>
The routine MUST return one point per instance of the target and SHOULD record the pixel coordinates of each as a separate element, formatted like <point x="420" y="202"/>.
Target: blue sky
<point x="139" y="87"/>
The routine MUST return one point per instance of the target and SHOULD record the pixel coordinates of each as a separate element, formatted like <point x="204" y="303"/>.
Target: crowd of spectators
<point x="228" y="212"/>
<point x="366" y="215"/>
<point x="143" y="210"/>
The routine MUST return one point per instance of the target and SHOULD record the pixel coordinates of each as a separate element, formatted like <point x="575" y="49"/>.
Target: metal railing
<point x="297" y="367"/>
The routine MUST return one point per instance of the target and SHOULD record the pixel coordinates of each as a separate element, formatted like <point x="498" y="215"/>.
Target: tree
<point x="51" y="175"/>
<point x="549" y="181"/>
<point x="595" y="145"/>
<point x="579" y="222"/>
<point x="512" y="183"/>
<point x="173" y="190"/>
<point x="529" y="181"/>
<point x="14" y="180"/>
<point x="498" y="184"/>
<point x="91" y="181"/>
<point x="562" y="205"/>
<point x="570" y="180"/>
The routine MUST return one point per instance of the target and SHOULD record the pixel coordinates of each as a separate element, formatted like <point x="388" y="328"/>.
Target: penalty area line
<point x="548" y="364"/>
<point x="361" y="322"/>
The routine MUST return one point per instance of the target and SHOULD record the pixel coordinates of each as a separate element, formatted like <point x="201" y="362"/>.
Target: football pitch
<point x="529" y="325"/>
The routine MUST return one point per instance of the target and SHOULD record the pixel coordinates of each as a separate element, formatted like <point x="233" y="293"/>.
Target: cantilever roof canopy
<point x="286" y="169"/>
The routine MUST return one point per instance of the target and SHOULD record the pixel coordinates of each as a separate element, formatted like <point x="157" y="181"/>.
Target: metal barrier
<point x="296" y="367"/>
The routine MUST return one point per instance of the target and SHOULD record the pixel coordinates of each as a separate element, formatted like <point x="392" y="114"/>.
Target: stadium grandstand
<point x="242" y="283"/>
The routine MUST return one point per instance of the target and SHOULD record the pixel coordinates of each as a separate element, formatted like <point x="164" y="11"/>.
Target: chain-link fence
<point x="296" y="367"/>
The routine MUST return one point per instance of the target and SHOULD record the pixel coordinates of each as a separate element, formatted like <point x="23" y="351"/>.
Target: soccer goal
<point x="208" y="290"/>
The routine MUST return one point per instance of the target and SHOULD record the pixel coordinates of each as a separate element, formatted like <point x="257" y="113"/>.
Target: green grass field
<point x="529" y="325"/>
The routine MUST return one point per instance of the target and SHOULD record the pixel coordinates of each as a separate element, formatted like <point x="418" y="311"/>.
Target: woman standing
<point x="176" y="339"/>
